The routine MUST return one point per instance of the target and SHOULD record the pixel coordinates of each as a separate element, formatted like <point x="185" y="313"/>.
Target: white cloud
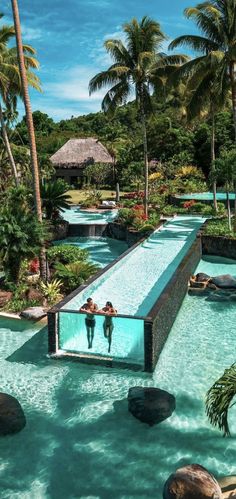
<point x="73" y="85"/>
<point x="31" y="33"/>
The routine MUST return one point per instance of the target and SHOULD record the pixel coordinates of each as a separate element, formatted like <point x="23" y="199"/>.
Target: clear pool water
<point x="75" y="215"/>
<point x="207" y="196"/>
<point x="102" y="250"/>
<point x="80" y="440"/>
<point x="135" y="282"/>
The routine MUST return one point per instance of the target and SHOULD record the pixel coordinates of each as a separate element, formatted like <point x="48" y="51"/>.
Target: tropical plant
<point x="98" y="174"/>
<point x="21" y="236"/>
<point x="225" y="174"/>
<point x="30" y="126"/>
<point x="220" y="399"/>
<point x="138" y="68"/>
<point x="10" y="84"/>
<point x="74" y="274"/>
<point x="65" y="253"/>
<point x="55" y="198"/>
<point x="51" y="291"/>
<point x="216" y="19"/>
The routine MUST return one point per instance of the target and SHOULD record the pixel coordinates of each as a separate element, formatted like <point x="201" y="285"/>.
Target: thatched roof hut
<point x="78" y="153"/>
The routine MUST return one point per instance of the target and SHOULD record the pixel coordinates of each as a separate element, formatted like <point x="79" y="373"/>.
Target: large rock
<point x="12" y="418"/>
<point x="33" y="313"/>
<point x="201" y="277"/>
<point x="5" y="297"/>
<point x="34" y="294"/>
<point x="150" y="405"/>
<point x="192" y="482"/>
<point x="224" y="281"/>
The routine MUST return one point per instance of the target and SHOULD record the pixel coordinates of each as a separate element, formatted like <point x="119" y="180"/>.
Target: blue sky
<point x="69" y="35"/>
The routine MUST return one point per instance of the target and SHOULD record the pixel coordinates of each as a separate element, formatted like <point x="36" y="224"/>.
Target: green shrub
<point x="218" y="227"/>
<point x="17" y="304"/>
<point x="126" y="216"/>
<point x="74" y="274"/>
<point x="65" y="253"/>
<point x="147" y="228"/>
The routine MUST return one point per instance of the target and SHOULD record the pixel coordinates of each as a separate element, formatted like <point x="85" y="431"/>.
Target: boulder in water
<point x="224" y="281"/>
<point x="192" y="482"/>
<point x="150" y="405"/>
<point x="33" y="313"/>
<point x="201" y="277"/>
<point x="12" y="418"/>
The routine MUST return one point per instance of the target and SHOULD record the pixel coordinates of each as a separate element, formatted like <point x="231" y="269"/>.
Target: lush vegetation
<point x="178" y="136"/>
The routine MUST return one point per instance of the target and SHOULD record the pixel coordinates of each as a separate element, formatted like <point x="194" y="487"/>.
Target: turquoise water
<point x="135" y="282"/>
<point x="206" y="196"/>
<point x="75" y="215"/>
<point x="102" y="250"/>
<point x="80" y="440"/>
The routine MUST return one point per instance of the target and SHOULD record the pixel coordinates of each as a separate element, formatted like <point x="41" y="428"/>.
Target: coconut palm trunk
<point x="228" y="207"/>
<point x="8" y="147"/>
<point x="213" y="157"/>
<point x="30" y="126"/>
<point x="233" y="90"/>
<point x="145" y="151"/>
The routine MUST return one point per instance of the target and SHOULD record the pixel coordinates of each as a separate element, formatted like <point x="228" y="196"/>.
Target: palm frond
<point x="195" y="42"/>
<point x="219" y="399"/>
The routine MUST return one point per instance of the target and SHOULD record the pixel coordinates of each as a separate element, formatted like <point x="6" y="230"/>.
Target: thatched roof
<point x="78" y="153"/>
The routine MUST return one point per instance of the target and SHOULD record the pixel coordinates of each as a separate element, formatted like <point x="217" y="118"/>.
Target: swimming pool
<point x="80" y="440"/>
<point x="102" y="250"/>
<point x="76" y="215"/>
<point x="135" y="282"/>
<point x="206" y="196"/>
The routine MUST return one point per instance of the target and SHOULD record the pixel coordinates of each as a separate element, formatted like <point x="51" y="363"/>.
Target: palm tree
<point x="216" y="19"/>
<point x="137" y="69"/>
<point x="55" y="198"/>
<point x="10" y="84"/>
<point x="225" y="173"/>
<point x="219" y="399"/>
<point x="30" y="125"/>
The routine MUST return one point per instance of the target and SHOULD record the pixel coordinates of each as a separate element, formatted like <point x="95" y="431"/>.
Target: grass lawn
<point x="80" y="195"/>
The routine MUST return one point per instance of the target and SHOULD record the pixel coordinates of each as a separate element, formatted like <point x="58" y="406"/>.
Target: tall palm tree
<point x="137" y="69"/>
<point x="30" y="125"/>
<point x="10" y="83"/>
<point x="216" y="20"/>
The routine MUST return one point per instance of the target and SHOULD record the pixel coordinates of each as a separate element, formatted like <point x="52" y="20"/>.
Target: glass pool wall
<point x="123" y="341"/>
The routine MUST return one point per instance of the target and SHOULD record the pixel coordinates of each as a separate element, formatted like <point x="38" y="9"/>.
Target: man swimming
<point x="90" y="308"/>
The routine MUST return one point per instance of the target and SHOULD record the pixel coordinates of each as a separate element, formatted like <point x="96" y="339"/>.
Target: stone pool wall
<point x="87" y="230"/>
<point x="219" y="246"/>
<point x="163" y="314"/>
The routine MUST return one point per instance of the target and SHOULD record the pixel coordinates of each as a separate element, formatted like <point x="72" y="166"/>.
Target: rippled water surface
<point x="81" y="442"/>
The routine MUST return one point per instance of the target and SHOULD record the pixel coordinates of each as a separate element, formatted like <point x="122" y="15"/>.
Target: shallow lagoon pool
<point x="102" y="250"/>
<point x="207" y="196"/>
<point x="80" y="441"/>
<point x="76" y="215"/>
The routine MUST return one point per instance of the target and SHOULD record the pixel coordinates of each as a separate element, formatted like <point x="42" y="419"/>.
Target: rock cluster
<point x="150" y="405"/>
<point x="221" y="288"/>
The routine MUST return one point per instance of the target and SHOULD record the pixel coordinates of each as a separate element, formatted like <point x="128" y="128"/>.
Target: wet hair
<point x="109" y="304"/>
<point x="89" y="300"/>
